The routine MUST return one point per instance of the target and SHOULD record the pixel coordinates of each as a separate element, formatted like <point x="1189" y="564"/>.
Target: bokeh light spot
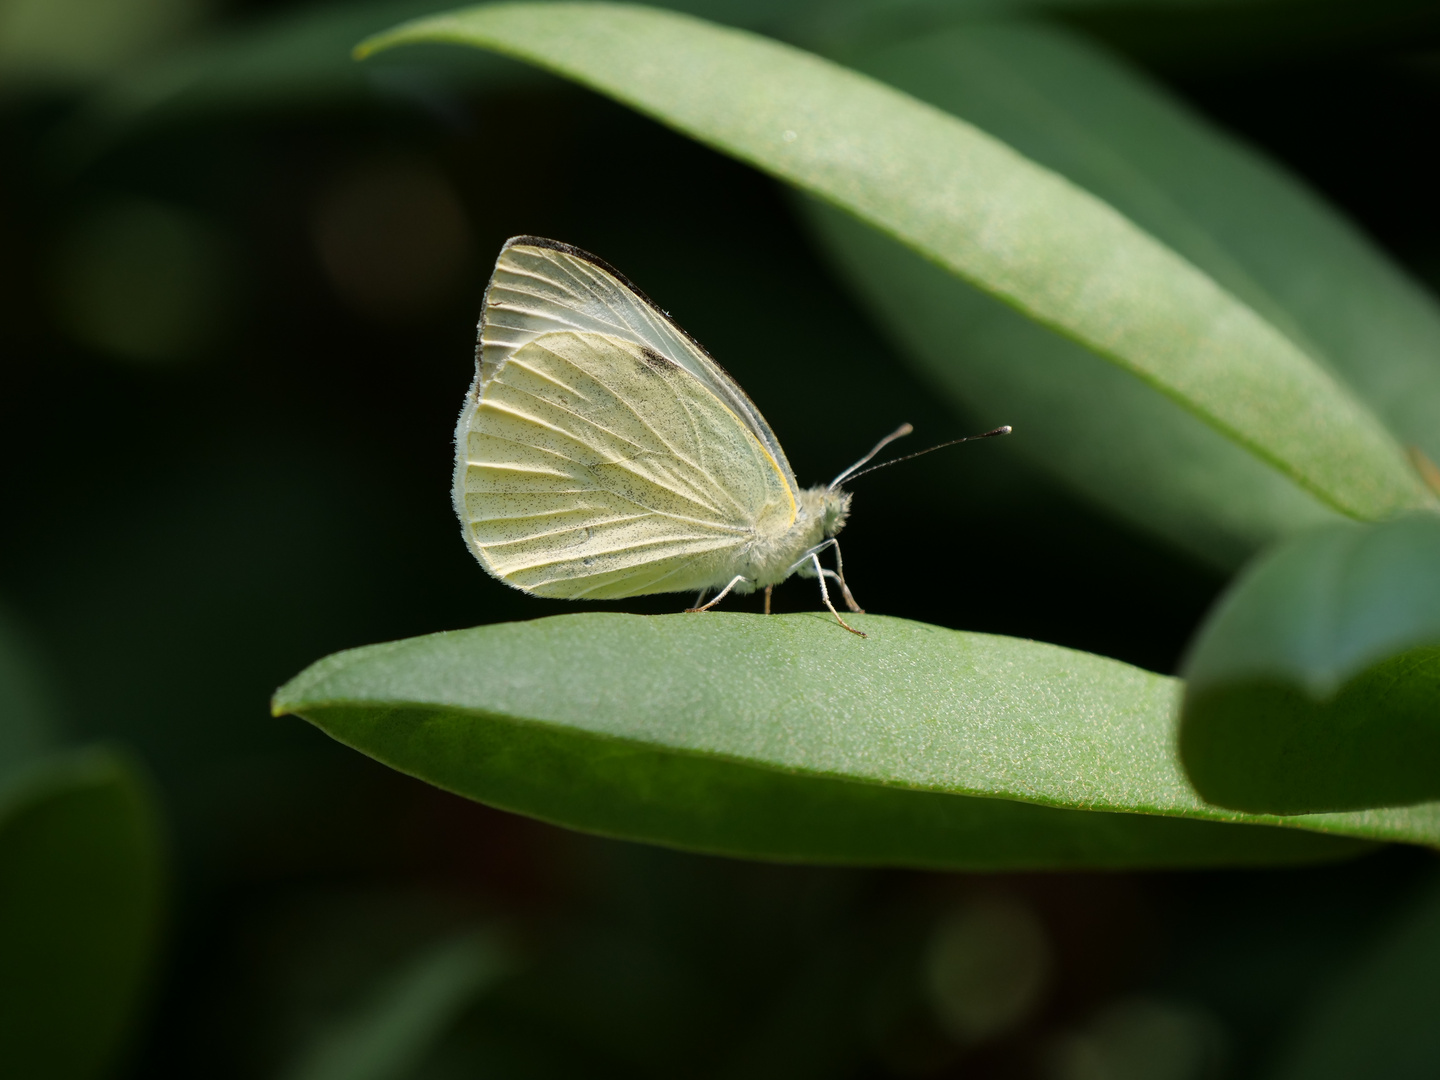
<point x="1142" y="1039"/>
<point x="987" y="966"/>
<point x="141" y="280"/>
<point x="393" y="239"/>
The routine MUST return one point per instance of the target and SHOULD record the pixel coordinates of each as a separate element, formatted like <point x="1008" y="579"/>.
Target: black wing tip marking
<point x="655" y="361"/>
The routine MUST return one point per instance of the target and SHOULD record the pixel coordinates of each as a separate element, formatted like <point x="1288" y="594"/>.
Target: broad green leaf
<point x="389" y="1038"/>
<point x="80" y="901"/>
<point x="1313" y="685"/>
<point x="976" y="207"/>
<point x="1379" y="1018"/>
<point x="1261" y="235"/>
<point x="785" y="737"/>
<point x="1112" y="437"/>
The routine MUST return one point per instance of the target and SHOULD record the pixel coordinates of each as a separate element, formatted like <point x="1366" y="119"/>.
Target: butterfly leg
<point x="840" y="577"/>
<point x="720" y="595"/>
<point x="839" y="565"/>
<point x="768" y="588"/>
<point x="849" y="600"/>
<point x="825" y="595"/>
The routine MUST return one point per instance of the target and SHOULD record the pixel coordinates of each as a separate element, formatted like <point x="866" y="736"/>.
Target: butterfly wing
<point x="540" y="286"/>
<point x="589" y="466"/>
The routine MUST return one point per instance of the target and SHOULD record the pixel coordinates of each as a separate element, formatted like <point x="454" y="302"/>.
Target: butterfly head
<point x="834" y="511"/>
<point x="823" y="511"/>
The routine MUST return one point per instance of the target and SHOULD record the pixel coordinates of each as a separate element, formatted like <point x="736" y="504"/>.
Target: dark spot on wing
<point x="655" y="360"/>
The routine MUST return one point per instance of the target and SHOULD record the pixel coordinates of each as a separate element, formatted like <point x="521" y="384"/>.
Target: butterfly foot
<point x="718" y="597"/>
<point x="847" y="626"/>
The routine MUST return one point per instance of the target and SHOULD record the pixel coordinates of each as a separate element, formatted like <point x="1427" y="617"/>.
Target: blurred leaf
<point x="1313" y="685"/>
<point x="80" y="905"/>
<point x="390" y="1037"/>
<point x="784" y="737"/>
<point x="303" y="57"/>
<point x="28" y="715"/>
<point x="1380" y="1020"/>
<point x="299" y="57"/>
<point x="63" y="41"/>
<point x="1142" y="1039"/>
<point x="1258" y="233"/>
<point x="977" y="208"/>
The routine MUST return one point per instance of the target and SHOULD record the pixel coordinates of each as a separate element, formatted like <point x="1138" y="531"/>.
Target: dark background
<point x="234" y="345"/>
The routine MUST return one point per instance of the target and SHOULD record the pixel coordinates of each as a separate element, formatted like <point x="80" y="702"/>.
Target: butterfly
<point x="601" y="452"/>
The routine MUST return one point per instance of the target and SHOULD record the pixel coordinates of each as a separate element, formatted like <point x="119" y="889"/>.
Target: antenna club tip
<point x="905" y="429"/>
<point x="1004" y="429"/>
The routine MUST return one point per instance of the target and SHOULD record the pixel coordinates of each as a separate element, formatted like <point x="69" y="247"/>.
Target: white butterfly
<point x="602" y="453"/>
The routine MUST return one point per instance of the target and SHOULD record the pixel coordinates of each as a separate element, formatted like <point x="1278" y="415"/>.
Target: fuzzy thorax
<point x="820" y="513"/>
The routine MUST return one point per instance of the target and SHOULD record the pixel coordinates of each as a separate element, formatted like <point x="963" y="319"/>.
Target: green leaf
<point x="389" y="1038"/>
<point x="1112" y="437"/>
<point x="1379" y="1018"/>
<point x="80" y="901"/>
<point x="1261" y="235"/>
<point x="1313" y="685"/>
<point x="785" y="737"/>
<point x="973" y="205"/>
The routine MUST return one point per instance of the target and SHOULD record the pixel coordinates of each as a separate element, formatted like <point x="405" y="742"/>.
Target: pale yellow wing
<point x="589" y="466"/>
<point x="541" y="286"/>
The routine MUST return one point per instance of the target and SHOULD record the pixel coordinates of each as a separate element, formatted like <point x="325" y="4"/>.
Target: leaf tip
<point x="370" y="46"/>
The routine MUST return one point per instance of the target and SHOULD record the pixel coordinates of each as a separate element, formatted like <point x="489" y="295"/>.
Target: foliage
<point x="1073" y="108"/>
<point x="978" y="209"/>
<point x="234" y="343"/>
<point x="1241" y="361"/>
<point x="1317" y="674"/>
<point x="80" y="905"/>
<point x="627" y="726"/>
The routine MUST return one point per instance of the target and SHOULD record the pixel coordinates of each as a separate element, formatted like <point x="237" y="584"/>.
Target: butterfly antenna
<point x="852" y="474"/>
<point x="899" y="433"/>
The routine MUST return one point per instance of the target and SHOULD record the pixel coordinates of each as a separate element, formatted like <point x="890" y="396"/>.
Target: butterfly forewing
<point x="591" y="466"/>
<point x="540" y="286"/>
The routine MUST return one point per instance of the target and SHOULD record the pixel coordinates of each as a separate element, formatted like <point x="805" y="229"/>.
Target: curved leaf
<point x="1314" y="684"/>
<point x="1112" y="437"/>
<point x="80" y="901"/>
<point x="785" y="737"/>
<point x="1260" y="234"/>
<point x="973" y="205"/>
<point x="390" y="1036"/>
